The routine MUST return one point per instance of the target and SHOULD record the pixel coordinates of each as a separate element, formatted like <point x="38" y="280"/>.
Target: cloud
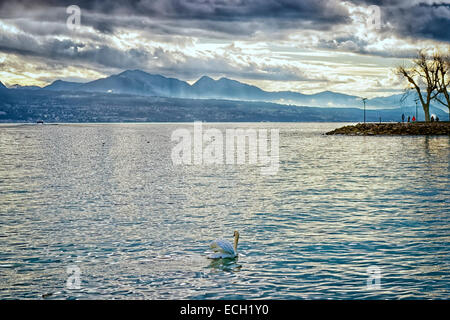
<point x="228" y="18"/>
<point x="425" y="19"/>
<point x="254" y="40"/>
<point x="69" y="50"/>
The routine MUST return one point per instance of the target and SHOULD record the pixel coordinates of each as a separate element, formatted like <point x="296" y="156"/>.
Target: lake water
<point x="103" y="204"/>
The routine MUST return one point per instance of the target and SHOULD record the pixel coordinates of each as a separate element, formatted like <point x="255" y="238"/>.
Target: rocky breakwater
<point x="407" y="128"/>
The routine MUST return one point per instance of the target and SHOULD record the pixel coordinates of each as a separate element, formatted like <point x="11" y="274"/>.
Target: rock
<point x="411" y="128"/>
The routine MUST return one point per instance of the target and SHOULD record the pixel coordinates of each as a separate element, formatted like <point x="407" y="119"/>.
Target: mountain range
<point x="137" y="82"/>
<point x="135" y="95"/>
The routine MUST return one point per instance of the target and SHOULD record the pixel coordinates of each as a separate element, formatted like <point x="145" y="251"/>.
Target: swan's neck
<point x="236" y="239"/>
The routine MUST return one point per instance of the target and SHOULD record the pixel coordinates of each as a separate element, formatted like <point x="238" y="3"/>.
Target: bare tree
<point x="423" y="77"/>
<point x="443" y="65"/>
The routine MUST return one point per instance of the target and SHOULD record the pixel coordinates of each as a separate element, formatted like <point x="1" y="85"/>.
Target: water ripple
<point x="106" y="198"/>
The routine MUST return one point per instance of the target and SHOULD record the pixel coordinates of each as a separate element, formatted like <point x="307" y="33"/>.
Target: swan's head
<point x="236" y="234"/>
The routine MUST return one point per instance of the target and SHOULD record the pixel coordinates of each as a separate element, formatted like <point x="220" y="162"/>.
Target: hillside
<point x="63" y="106"/>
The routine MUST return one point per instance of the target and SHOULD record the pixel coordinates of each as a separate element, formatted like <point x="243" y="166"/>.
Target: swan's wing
<point x="218" y="255"/>
<point x="223" y="246"/>
<point x="221" y="255"/>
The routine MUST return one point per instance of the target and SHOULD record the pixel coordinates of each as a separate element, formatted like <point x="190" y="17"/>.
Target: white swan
<point x="223" y="248"/>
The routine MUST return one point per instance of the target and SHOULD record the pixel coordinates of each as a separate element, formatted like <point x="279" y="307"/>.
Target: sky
<point x="306" y="46"/>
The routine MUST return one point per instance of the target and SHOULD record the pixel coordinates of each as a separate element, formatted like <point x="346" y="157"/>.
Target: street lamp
<point x="364" y="100"/>
<point x="417" y="117"/>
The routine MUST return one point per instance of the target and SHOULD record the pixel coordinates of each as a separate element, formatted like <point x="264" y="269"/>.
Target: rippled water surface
<point x="106" y="199"/>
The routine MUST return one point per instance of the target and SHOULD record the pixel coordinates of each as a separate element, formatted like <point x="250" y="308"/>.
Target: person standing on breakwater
<point x="403" y="117"/>
<point x="409" y="118"/>
<point x="414" y="119"/>
<point x="437" y="118"/>
<point x="432" y="119"/>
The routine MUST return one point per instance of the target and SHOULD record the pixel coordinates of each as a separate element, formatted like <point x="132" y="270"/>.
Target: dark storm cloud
<point x="413" y="18"/>
<point x="309" y="14"/>
<point x="72" y="51"/>
<point x="238" y="18"/>
<point x="422" y="20"/>
<point x="329" y="10"/>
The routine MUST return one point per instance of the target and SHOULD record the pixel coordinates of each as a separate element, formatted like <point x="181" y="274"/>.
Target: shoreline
<point x="394" y="129"/>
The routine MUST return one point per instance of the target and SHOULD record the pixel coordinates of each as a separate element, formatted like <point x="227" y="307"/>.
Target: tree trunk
<point x="426" y="110"/>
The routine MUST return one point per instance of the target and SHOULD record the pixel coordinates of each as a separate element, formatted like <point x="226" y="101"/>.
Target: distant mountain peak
<point x="132" y="72"/>
<point x="60" y="82"/>
<point x="205" y="79"/>
<point x="61" y="85"/>
<point x="237" y="85"/>
<point x="146" y="77"/>
<point x="223" y="79"/>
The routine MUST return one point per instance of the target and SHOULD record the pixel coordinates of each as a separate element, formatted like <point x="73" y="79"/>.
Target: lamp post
<point x="364" y="101"/>
<point x="417" y="117"/>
